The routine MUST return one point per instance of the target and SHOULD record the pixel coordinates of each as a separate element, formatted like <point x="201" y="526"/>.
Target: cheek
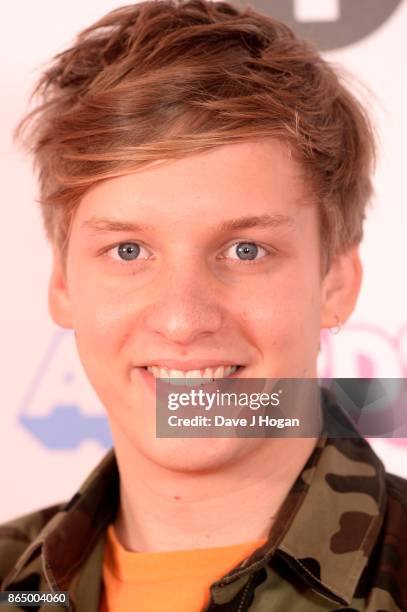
<point x="101" y="320"/>
<point x="285" y="308"/>
<point x="101" y="329"/>
<point x="284" y="324"/>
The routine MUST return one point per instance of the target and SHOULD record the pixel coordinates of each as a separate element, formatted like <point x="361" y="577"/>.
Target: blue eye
<point x="246" y="251"/>
<point x="128" y="251"/>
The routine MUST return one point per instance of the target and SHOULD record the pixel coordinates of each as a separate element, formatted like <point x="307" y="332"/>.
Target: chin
<point x="193" y="455"/>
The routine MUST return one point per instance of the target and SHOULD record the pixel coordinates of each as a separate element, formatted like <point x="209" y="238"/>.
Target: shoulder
<point x="389" y="564"/>
<point x="17" y="534"/>
<point x="397" y="489"/>
<point x="395" y="520"/>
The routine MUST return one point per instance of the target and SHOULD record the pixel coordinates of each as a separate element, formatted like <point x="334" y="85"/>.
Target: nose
<point x="186" y="305"/>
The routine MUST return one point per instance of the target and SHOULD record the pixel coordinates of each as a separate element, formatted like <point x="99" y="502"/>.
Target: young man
<point x="204" y="177"/>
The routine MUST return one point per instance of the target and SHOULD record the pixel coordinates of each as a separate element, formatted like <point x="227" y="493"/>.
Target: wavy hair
<point x="169" y="78"/>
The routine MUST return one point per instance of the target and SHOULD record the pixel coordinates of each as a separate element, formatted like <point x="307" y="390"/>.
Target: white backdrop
<point x="53" y="430"/>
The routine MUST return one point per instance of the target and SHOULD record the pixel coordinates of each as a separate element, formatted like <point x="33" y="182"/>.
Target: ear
<point x="340" y="288"/>
<point x="59" y="303"/>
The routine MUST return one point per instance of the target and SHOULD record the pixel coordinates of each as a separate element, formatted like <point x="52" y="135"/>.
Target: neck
<point x="162" y="509"/>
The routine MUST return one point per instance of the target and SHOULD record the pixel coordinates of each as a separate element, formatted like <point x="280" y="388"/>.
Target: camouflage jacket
<point x="339" y="542"/>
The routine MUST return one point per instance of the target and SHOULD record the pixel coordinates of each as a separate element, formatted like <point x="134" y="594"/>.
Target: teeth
<point x="194" y="378"/>
<point x="179" y="377"/>
<point x="193" y="374"/>
<point x="230" y="370"/>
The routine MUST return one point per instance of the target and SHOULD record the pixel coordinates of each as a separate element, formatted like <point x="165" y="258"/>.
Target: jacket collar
<point x="325" y="530"/>
<point x="332" y="533"/>
<point x="69" y="548"/>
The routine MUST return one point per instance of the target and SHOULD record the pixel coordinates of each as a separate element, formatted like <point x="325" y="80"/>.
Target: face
<point x="209" y="261"/>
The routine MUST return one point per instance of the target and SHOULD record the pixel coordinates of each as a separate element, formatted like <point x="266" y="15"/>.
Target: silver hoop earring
<point x="335" y="330"/>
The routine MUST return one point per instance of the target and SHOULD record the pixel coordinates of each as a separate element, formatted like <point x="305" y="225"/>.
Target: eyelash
<point x="268" y="251"/>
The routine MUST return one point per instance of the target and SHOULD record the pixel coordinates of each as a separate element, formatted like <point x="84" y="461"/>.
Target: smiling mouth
<point x="177" y="377"/>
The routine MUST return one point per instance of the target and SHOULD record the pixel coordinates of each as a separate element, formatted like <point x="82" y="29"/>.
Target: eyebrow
<point x="261" y="221"/>
<point x="102" y="225"/>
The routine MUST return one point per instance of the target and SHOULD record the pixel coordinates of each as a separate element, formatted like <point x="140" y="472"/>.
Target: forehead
<point x="258" y="178"/>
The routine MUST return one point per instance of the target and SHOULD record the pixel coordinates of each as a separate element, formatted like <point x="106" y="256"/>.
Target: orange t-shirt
<point x="174" y="580"/>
